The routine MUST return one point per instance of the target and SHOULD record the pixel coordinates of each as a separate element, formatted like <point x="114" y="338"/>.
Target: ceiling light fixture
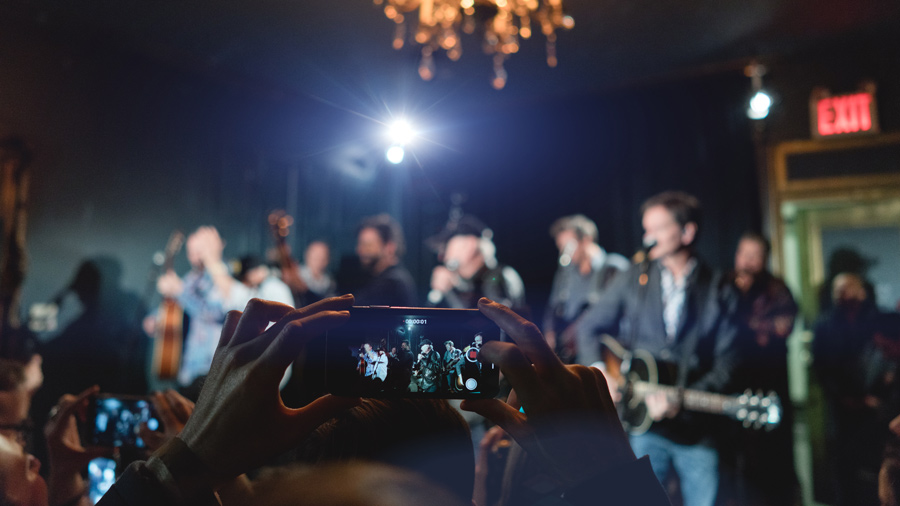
<point x="504" y="22"/>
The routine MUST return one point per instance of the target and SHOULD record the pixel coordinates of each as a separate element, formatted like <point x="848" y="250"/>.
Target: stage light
<point x="401" y="132"/>
<point x="759" y="105"/>
<point x="395" y="154"/>
<point x="761" y="101"/>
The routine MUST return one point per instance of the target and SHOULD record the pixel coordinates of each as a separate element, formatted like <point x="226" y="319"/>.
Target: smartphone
<point x="412" y="353"/>
<point x="115" y="420"/>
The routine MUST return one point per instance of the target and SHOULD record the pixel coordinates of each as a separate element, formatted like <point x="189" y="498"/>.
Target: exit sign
<point x="843" y="115"/>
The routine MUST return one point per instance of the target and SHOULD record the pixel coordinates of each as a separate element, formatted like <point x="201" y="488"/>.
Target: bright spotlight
<point x="401" y="132"/>
<point x="759" y="105"/>
<point x="395" y="154"/>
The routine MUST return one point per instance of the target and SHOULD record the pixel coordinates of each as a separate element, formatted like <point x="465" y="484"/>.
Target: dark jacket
<point x="703" y="353"/>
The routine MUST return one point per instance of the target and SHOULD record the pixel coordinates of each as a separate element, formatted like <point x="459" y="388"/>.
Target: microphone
<point x="436" y="296"/>
<point x="566" y="257"/>
<point x="648" y="244"/>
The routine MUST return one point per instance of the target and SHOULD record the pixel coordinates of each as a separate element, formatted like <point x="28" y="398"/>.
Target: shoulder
<point x="617" y="261"/>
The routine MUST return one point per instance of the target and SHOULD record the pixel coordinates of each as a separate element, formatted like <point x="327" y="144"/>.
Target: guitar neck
<point x="691" y="400"/>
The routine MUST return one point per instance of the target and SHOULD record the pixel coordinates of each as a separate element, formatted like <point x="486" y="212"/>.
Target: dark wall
<point x="129" y="149"/>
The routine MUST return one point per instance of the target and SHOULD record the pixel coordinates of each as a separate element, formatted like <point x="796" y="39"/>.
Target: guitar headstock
<point x="757" y="410"/>
<point x="173" y="246"/>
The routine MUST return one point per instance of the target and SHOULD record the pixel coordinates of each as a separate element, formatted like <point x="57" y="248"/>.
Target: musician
<point x="469" y="269"/>
<point x="585" y="270"/>
<point x="311" y="282"/>
<point x="428" y="367"/>
<point x="380" y="246"/>
<point x="368" y="355"/>
<point x="202" y="293"/>
<point x="381" y="365"/>
<point x="765" y="313"/>
<point x="256" y="281"/>
<point x="405" y="365"/>
<point x="452" y="365"/>
<point x="675" y="308"/>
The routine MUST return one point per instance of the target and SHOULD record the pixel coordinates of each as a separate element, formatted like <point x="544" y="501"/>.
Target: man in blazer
<point x="673" y="306"/>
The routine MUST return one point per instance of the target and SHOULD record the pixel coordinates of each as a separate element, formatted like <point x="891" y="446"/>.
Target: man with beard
<point x="469" y="269"/>
<point x="380" y="246"/>
<point x="765" y="314"/>
<point x="428" y="367"/>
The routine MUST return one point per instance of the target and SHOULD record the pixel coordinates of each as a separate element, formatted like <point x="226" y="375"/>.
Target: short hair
<point x="387" y="228"/>
<point x="423" y="342"/>
<point x="757" y="237"/>
<point x="448" y="342"/>
<point x="684" y="207"/>
<point x="578" y="223"/>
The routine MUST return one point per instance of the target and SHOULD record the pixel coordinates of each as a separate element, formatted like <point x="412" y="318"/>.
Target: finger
<point x="513" y="399"/>
<point x="320" y="411"/>
<point x="524" y="333"/>
<point x="516" y="367"/>
<point x="504" y="415"/>
<point x="228" y="328"/>
<point x="609" y="405"/>
<point x="256" y="317"/>
<point x="68" y="404"/>
<point x="164" y="410"/>
<point x="181" y="406"/>
<point x="331" y="304"/>
<point x="292" y="338"/>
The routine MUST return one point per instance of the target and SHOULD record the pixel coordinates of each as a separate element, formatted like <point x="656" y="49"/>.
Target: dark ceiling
<point x="314" y="47"/>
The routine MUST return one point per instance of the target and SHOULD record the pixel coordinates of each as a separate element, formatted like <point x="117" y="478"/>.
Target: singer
<point x="469" y="269"/>
<point x="684" y="316"/>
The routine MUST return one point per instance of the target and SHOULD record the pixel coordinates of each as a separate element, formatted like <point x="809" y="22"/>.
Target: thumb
<point x="501" y="413"/>
<point x="321" y="410"/>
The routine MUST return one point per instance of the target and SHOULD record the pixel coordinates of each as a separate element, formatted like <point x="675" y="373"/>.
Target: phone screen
<point x="117" y="420"/>
<point x="411" y="352"/>
<point x="102" y="475"/>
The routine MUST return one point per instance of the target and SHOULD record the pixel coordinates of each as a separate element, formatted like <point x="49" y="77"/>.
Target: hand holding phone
<point x="68" y="456"/>
<point x="567" y="418"/>
<point x="174" y="410"/>
<point x="115" y="420"/>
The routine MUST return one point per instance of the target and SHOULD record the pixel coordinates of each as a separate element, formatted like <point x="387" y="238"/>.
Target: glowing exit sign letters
<point x="843" y="115"/>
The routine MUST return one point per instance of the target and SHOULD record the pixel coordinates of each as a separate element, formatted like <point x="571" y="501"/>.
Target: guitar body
<point x="641" y="375"/>
<point x="642" y="370"/>
<point x="169" y="336"/>
<point x="169" y="339"/>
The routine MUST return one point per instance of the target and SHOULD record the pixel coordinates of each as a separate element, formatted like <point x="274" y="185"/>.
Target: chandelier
<point x="504" y="22"/>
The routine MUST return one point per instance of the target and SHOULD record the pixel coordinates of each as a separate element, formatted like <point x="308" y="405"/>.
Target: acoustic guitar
<point x="640" y="378"/>
<point x="169" y="337"/>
